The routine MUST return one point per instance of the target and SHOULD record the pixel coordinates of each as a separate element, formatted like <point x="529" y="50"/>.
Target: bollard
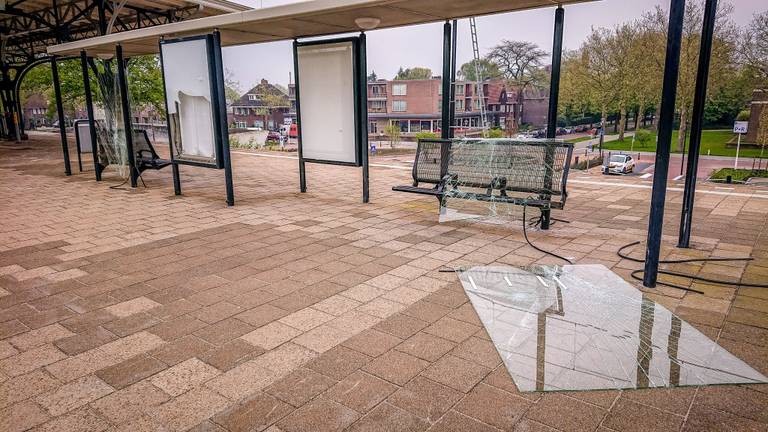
<point x="728" y="179"/>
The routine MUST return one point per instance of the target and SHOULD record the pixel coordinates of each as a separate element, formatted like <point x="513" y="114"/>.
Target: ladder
<point x="478" y="76"/>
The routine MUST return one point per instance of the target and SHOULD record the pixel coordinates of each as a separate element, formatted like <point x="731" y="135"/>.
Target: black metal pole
<point x="363" y="73"/>
<point x="220" y="106"/>
<point x="91" y="118"/>
<point x="445" y="130"/>
<point x="454" y="39"/>
<point x="127" y="123"/>
<point x="554" y="95"/>
<point x="554" y="84"/>
<point x="302" y="165"/>
<point x="699" y="98"/>
<point x="60" y="112"/>
<point x="666" y="119"/>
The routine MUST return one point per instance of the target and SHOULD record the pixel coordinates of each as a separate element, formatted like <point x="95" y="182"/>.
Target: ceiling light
<point x="367" y="23"/>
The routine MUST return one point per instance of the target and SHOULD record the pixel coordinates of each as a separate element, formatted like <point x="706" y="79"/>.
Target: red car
<point x="273" y="136"/>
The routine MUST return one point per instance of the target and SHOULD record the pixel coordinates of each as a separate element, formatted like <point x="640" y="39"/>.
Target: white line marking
<point x="646" y="175"/>
<point x="586" y="182"/>
<point x="677" y="178"/>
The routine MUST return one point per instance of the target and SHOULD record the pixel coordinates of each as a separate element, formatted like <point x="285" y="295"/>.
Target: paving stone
<point x="396" y="367"/>
<point x="130" y="403"/>
<point x="388" y="417"/>
<point x="360" y="391"/>
<point x="320" y="415"/>
<point x="26" y="386"/>
<point x="425" y="399"/>
<point x="493" y="406"/>
<point x="451" y="329"/>
<point x="189" y="409"/>
<point x="339" y="362"/>
<point x="183" y="376"/>
<point x="74" y="395"/>
<point x="28" y="361"/>
<point x="223" y="331"/>
<point x="231" y="354"/>
<point x="262" y="315"/>
<point x="456" y="373"/>
<point x="271" y="335"/>
<point x="300" y="386"/>
<point x="130" y="371"/>
<point x="182" y="349"/>
<point x="41" y="336"/>
<point x="22" y="416"/>
<point x="306" y="319"/>
<point x="632" y="416"/>
<point x="254" y="414"/>
<point x="131" y="324"/>
<point x="85" y="341"/>
<point x="242" y="380"/>
<point x="576" y="415"/>
<point x="402" y="326"/>
<point x="426" y="346"/>
<point x="455" y="422"/>
<point x="130" y="307"/>
<point x="372" y="342"/>
<point x="81" y="420"/>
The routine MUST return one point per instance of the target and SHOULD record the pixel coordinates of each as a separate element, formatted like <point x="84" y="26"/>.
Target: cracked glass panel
<point x="582" y="327"/>
<point x="488" y="180"/>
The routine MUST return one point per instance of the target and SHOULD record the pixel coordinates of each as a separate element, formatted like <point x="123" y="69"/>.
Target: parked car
<point x="273" y="136"/>
<point x="293" y="131"/>
<point x="620" y="164"/>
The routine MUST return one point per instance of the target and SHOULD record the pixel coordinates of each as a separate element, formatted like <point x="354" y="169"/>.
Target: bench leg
<point x="545" y="216"/>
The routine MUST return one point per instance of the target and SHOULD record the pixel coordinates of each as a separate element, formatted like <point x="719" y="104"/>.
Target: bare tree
<point x="754" y="46"/>
<point x="520" y="63"/>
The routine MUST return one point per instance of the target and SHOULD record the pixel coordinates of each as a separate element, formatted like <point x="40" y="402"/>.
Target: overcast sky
<point x="422" y="45"/>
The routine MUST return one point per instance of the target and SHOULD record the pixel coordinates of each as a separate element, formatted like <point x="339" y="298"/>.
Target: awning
<point x="298" y="20"/>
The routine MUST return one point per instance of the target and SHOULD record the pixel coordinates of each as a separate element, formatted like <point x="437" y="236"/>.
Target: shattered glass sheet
<point x="487" y="172"/>
<point x="582" y="327"/>
<point x="112" y="147"/>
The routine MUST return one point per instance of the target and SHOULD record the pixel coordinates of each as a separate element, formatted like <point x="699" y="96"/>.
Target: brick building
<point x="757" y="106"/>
<point x="416" y="105"/>
<point x="264" y="106"/>
<point x="35" y="111"/>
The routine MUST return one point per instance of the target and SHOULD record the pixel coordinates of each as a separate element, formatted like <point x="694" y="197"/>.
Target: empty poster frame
<point x="191" y="79"/>
<point x="312" y="90"/>
<point x="329" y="97"/>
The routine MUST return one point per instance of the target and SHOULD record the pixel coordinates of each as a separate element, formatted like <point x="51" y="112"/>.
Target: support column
<point x="445" y="130"/>
<point x="454" y="38"/>
<point x="363" y="65"/>
<point x="554" y="96"/>
<point x="122" y="82"/>
<point x="60" y="112"/>
<point x="666" y="119"/>
<point x="697" y="120"/>
<point x="91" y="118"/>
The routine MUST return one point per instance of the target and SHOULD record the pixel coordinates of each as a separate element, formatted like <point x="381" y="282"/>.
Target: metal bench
<point x="145" y="155"/>
<point x="527" y="173"/>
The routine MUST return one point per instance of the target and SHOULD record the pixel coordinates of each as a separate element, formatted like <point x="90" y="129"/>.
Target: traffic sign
<point x="740" y="127"/>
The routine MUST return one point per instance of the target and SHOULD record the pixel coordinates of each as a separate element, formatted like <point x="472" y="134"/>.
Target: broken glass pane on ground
<point x="582" y="327"/>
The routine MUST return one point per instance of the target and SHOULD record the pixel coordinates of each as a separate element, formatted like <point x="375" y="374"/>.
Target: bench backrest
<point x="141" y="142"/>
<point x="539" y="166"/>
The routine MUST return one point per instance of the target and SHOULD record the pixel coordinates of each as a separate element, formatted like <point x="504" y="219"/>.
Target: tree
<point x="488" y="70"/>
<point x="372" y="77"/>
<point x="520" y="63"/>
<point x="415" y="73"/>
<point x="232" y="89"/>
<point x="754" y="47"/>
<point x="392" y="131"/>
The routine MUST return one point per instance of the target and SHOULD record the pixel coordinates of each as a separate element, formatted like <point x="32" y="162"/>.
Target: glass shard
<point x="582" y="327"/>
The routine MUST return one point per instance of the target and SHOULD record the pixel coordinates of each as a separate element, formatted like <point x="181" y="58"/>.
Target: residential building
<point x="35" y="111"/>
<point x="416" y="105"/>
<point x="264" y="106"/>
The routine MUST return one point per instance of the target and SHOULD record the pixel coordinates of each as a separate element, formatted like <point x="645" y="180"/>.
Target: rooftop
<point x="138" y="310"/>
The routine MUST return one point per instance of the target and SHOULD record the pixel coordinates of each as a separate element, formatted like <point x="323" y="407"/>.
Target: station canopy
<point x="297" y="20"/>
<point x="28" y="27"/>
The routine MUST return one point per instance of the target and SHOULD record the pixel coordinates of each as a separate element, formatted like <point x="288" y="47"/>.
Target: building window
<point x="477" y="104"/>
<point x="426" y="125"/>
<point x="459" y="89"/>
<point x="415" y="126"/>
<point x="399" y="89"/>
<point x="378" y="106"/>
<point x="251" y="97"/>
<point x="373" y="127"/>
<point x="460" y="105"/>
<point x="399" y="106"/>
<point x="403" y="126"/>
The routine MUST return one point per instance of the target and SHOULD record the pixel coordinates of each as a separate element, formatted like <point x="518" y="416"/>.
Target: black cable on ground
<point x="635" y="274"/>
<point x="525" y="234"/>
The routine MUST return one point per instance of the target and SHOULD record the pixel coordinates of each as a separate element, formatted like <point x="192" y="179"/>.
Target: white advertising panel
<point x="189" y="100"/>
<point x="326" y="76"/>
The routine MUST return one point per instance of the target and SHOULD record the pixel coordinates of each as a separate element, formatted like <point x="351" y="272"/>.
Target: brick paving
<point x="136" y="310"/>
